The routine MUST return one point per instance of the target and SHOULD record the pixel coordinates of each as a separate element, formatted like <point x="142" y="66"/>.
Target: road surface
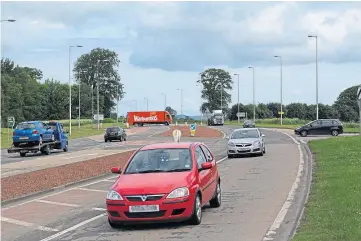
<point x="254" y="190"/>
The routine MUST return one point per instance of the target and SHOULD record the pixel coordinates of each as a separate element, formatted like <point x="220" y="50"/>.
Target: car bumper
<point x="112" y="137"/>
<point x="169" y="210"/>
<point x="245" y="150"/>
<point x="26" y="139"/>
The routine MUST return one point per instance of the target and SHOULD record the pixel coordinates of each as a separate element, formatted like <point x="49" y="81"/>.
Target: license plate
<point x="143" y="208"/>
<point x="24" y="138"/>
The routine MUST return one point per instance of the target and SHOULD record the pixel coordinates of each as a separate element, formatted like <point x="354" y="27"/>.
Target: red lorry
<point x="139" y="118"/>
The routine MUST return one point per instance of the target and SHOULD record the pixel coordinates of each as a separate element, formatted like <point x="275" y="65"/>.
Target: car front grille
<point x="144" y="198"/>
<point x="145" y="214"/>
<point x="243" y="145"/>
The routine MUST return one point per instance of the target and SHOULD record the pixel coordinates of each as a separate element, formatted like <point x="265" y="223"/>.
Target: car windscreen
<point x="160" y="160"/>
<point x="248" y="122"/>
<point x="245" y="134"/>
<point x="24" y="126"/>
<point x="113" y="129"/>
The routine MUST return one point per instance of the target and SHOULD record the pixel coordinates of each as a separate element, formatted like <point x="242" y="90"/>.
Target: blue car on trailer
<point x="35" y="136"/>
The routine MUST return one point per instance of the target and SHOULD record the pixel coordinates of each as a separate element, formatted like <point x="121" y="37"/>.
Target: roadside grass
<point x="83" y="131"/>
<point x="293" y="124"/>
<point x="333" y="211"/>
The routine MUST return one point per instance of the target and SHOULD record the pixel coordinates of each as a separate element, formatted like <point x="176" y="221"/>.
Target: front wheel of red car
<point x="216" y="201"/>
<point x="196" y="217"/>
<point x="114" y="225"/>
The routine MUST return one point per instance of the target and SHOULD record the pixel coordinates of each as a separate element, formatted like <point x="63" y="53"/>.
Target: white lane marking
<point x="108" y="180"/>
<point x="26" y="224"/>
<point x="57" y="203"/>
<point x="223" y="159"/>
<point x="72" y="228"/>
<point x="91" y="154"/>
<point x="291" y="195"/>
<point x="99" y="209"/>
<point x="91" y="190"/>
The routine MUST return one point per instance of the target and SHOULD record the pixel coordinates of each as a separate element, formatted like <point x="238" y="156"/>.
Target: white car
<point x="246" y="141"/>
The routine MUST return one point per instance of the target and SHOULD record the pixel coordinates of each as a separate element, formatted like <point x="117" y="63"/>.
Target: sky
<point x="163" y="46"/>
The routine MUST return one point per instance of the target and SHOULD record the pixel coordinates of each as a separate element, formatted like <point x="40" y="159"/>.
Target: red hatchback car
<point x="164" y="182"/>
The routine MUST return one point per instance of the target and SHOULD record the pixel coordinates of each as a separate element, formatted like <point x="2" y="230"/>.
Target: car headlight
<point x="231" y="144"/>
<point x="113" y="195"/>
<point x="257" y="143"/>
<point x="179" y="192"/>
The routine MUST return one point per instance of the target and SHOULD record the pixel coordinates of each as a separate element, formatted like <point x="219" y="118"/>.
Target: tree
<point x="214" y="81"/>
<point x="348" y="98"/>
<point x="171" y="111"/>
<point x="100" y="66"/>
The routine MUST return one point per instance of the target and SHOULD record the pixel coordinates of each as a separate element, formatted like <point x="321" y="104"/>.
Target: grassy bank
<point x="294" y="123"/>
<point x="333" y="212"/>
<point x="84" y="131"/>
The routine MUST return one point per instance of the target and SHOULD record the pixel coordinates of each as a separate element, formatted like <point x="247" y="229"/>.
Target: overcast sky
<point x="163" y="46"/>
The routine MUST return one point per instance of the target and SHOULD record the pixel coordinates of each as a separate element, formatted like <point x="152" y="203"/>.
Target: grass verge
<point x="333" y="211"/>
<point x="83" y="131"/>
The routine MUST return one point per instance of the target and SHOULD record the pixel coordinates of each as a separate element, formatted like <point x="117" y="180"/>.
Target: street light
<point x="254" y="100"/>
<point x="237" y="98"/>
<point x="200" y="85"/>
<point x="181" y="90"/>
<point x="103" y="60"/>
<point x="71" y="46"/>
<point x="83" y="72"/>
<point x="316" y="38"/>
<point x="8" y="20"/>
<point x="146" y="99"/>
<point x="165" y="100"/>
<point x="280" y="57"/>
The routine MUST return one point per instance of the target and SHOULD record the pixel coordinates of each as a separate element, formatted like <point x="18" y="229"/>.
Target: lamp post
<point x="79" y="85"/>
<point x="254" y="98"/>
<point x="104" y="60"/>
<point x="8" y="20"/>
<point x="281" y="91"/>
<point x="165" y="100"/>
<point x="71" y="46"/>
<point x="146" y="99"/>
<point x="237" y="96"/>
<point x="200" y="109"/>
<point x="181" y="91"/>
<point x="316" y="38"/>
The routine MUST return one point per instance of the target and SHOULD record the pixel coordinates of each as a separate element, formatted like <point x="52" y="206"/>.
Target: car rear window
<point x="160" y="160"/>
<point x="24" y="126"/>
<point x="113" y="129"/>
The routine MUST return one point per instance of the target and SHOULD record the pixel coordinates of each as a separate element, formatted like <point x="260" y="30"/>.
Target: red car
<point x="164" y="182"/>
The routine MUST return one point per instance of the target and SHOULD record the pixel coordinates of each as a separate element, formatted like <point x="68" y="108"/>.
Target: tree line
<point x="26" y="97"/>
<point x="214" y="81"/>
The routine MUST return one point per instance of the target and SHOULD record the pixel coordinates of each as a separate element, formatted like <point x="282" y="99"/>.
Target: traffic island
<point x="24" y="184"/>
<point x="200" y="131"/>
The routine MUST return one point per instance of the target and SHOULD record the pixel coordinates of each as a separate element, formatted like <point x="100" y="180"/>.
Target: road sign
<point x="176" y="135"/>
<point x="241" y="114"/>
<point x="279" y="112"/>
<point x="193" y="127"/>
<point x="101" y="117"/>
<point x="11" y="121"/>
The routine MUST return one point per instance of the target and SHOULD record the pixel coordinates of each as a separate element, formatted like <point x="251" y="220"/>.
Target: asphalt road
<point x="83" y="144"/>
<point x="254" y="190"/>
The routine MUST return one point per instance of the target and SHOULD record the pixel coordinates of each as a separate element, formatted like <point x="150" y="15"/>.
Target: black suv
<point x="321" y="127"/>
<point x="115" y="133"/>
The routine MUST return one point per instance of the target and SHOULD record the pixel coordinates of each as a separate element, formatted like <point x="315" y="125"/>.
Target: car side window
<point x="207" y="152"/>
<point x="45" y="126"/>
<point x="327" y="123"/>
<point x="316" y="123"/>
<point x="200" y="157"/>
<point x="40" y="125"/>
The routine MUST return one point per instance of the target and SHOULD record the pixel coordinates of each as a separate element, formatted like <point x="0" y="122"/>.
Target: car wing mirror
<point x="116" y="170"/>
<point x="206" y="165"/>
<point x="263" y="135"/>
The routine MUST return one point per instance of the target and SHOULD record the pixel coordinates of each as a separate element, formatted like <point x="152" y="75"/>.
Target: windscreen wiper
<point x="179" y="170"/>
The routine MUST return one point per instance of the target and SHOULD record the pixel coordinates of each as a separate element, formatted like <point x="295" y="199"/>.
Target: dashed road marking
<point x="223" y="159"/>
<point x="57" y="203"/>
<point x="99" y="209"/>
<point x="91" y="190"/>
<point x="106" y="180"/>
<point x="26" y="224"/>
<point x="73" y="228"/>
<point x="291" y="195"/>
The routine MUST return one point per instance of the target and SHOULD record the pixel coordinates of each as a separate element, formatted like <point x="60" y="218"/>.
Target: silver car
<point x="246" y="141"/>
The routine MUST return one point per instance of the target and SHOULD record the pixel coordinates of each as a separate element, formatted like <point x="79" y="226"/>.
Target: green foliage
<point x="214" y="81"/>
<point x="171" y="111"/>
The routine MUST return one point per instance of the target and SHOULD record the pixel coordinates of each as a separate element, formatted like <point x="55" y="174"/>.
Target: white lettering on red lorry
<point x="150" y="118"/>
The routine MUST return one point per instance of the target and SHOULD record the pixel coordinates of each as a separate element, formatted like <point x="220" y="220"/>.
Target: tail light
<point x="35" y="132"/>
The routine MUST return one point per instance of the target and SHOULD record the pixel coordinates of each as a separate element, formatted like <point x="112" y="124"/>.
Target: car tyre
<point x="105" y="140"/>
<point x="303" y="133"/>
<point x="22" y="154"/>
<point x="264" y="150"/>
<point x="196" y="217"/>
<point x="65" y="148"/>
<point x="121" y="139"/>
<point x="116" y="225"/>
<point x="216" y="201"/>
<point x="334" y="132"/>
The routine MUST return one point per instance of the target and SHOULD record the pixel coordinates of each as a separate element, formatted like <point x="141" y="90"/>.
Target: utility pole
<point x="117" y="103"/>
<point x="237" y="97"/>
<point x="254" y="96"/>
<point x="71" y="46"/>
<point x="316" y="38"/>
<point x="280" y="57"/>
